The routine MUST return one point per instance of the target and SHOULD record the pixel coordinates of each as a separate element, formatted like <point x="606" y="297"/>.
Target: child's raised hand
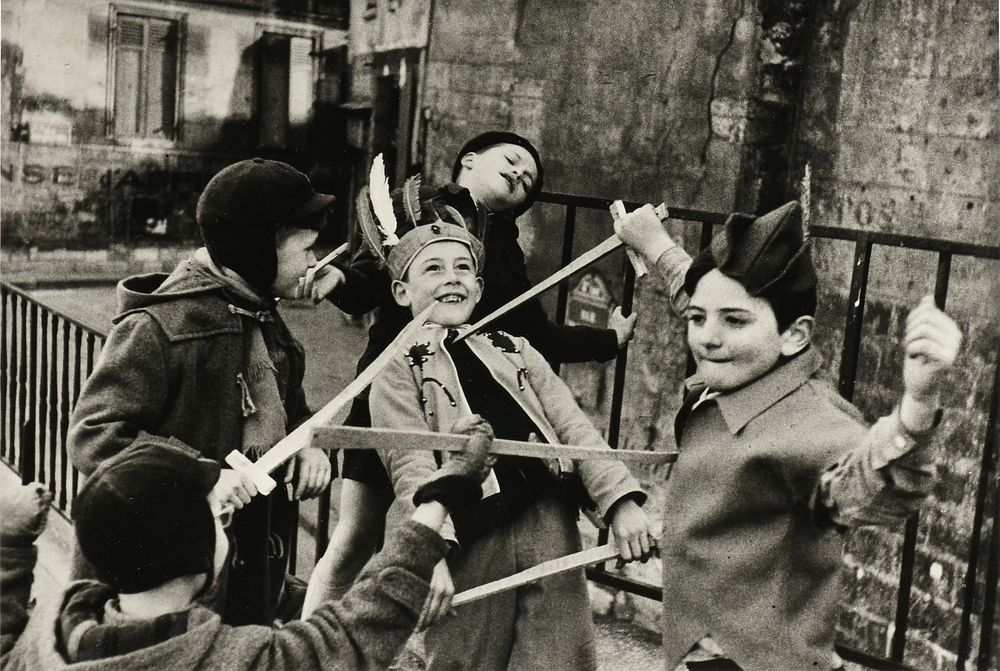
<point x="931" y="344"/>
<point x="319" y="285"/>
<point x="624" y="327"/>
<point x="633" y="533"/>
<point x="643" y="231"/>
<point x="309" y="473"/>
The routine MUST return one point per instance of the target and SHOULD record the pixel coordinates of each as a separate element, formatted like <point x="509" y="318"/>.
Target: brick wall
<point x="894" y="106"/>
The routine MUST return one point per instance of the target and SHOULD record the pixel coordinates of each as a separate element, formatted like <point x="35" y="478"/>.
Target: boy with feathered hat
<point x="774" y="465"/>
<point x="496" y="177"/>
<point x="526" y="515"/>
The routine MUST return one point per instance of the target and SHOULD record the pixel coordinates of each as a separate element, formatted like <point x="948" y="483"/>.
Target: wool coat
<point x="364" y="630"/>
<point x="767" y="480"/>
<point x="171" y="367"/>
<point x="419" y="390"/>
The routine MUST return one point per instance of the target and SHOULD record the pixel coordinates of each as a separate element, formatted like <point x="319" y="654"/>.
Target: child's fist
<point x="309" y="472"/>
<point x="931" y="343"/>
<point x="24" y="511"/>
<point x="234" y="488"/>
<point x="634" y="534"/>
<point x="320" y="284"/>
<point x="624" y="327"/>
<point x="643" y="231"/>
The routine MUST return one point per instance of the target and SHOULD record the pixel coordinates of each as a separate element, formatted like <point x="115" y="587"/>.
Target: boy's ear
<point x="797" y="336"/>
<point x="479" y="289"/>
<point x="400" y="293"/>
<point x="469" y="160"/>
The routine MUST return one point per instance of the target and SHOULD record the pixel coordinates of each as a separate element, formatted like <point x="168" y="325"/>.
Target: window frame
<point x="314" y="34"/>
<point x="116" y="9"/>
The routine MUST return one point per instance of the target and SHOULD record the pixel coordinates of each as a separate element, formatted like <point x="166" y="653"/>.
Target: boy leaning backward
<point x="528" y="513"/>
<point x="774" y="466"/>
<point x="202" y="356"/>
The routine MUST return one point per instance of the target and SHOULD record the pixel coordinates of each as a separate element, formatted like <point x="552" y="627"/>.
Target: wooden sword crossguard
<point x="259" y="471"/>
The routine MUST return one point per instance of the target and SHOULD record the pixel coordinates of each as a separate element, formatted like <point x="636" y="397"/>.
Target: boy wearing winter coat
<point x="496" y="177"/>
<point x="526" y="516"/>
<point x="774" y="466"/>
<point x="202" y="356"/>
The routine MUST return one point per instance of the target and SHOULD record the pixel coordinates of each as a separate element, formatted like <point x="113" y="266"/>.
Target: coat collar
<point x="746" y="403"/>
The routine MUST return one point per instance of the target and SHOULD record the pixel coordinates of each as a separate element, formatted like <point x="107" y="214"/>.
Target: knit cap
<point x="142" y="518"/>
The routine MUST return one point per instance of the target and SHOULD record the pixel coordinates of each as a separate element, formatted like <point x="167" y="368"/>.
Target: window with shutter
<point x="286" y="81"/>
<point x="146" y="69"/>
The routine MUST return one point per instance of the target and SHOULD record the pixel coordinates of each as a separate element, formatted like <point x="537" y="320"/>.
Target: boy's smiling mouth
<point x="450" y="298"/>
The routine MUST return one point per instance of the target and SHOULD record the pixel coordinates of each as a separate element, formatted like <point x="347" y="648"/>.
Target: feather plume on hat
<point x="378" y="191"/>
<point x="411" y="199"/>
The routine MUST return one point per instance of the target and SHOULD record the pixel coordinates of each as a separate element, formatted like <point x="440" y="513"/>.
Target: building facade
<point x="116" y="113"/>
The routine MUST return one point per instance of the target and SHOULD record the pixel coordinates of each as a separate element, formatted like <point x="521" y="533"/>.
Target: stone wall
<point x="719" y="105"/>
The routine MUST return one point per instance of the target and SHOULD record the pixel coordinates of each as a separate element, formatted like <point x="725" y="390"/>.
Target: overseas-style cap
<point x="767" y="254"/>
<point x="244" y="204"/>
<point x="491" y="138"/>
<point x="142" y="518"/>
<point x="403" y="253"/>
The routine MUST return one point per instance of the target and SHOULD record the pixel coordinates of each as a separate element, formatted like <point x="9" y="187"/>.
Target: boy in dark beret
<point x="496" y="177"/>
<point x="774" y="465"/>
<point x="203" y="356"/>
<point x="150" y="521"/>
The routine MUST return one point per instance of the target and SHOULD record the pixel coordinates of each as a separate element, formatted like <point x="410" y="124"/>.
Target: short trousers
<point x="364" y="465"/>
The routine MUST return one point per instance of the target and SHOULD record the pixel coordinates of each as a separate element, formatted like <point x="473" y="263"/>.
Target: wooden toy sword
<point x="578" y="264"/>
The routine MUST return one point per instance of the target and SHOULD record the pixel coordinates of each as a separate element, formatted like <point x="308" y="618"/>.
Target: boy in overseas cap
<point x="774" y="465"/>
<point x="528" y="513"/>
<point x="203" y="356"/>
<point x="151" y="523"/>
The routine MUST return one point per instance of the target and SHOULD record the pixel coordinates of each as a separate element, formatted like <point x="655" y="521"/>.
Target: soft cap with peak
<point x="492" y="138"/>
<point x="767" y="254"/>
<point x="403" y="253"/>
<point x="143" y="518"/>
<point x="242" y="207"/>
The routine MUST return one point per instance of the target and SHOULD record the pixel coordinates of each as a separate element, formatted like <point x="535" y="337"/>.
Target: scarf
<point x="264" y="418"/>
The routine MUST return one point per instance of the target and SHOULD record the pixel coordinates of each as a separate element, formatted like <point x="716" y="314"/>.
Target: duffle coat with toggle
<point x="172" y="366"/>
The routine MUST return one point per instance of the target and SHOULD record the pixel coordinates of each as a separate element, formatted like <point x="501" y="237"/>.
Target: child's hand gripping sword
<point x="617" y="212"/>
<point x="570" y="562"/>
<point x="259" y="471"/>
<point x="578" y="264"/>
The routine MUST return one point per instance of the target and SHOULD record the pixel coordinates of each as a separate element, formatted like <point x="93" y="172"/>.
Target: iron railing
<point x="46" y="356"/>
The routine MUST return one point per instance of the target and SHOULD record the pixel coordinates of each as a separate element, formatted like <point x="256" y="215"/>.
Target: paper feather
<point x="378" y="191"/>
<point x="411" y="199"/>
